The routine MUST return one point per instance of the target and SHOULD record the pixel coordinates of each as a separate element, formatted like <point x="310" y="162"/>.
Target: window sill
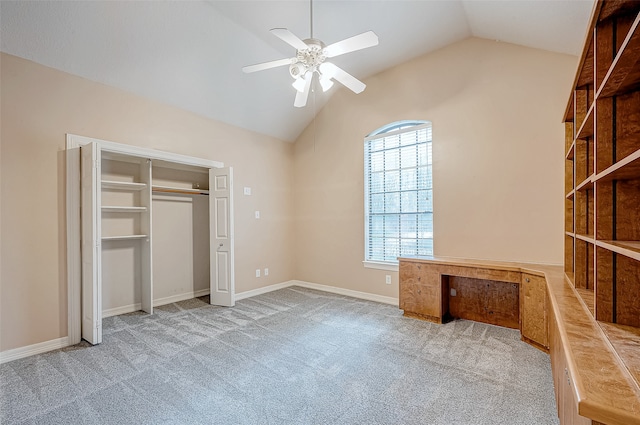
<point x="380" y="265"/>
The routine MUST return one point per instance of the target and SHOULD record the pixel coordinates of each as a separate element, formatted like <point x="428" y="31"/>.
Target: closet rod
<point x="187" y="192"/>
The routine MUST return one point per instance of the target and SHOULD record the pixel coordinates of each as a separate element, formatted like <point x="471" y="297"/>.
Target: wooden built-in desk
<point x="595" y="366"/>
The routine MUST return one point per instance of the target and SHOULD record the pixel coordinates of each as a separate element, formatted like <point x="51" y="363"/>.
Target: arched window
<point x="398" y="192"/>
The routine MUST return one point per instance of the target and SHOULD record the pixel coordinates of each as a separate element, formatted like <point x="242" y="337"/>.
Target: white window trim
<point x="386" y="265"/>
<point x="381" y="265"/>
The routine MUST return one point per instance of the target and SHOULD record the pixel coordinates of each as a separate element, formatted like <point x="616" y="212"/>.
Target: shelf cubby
<point x="568" y="253"/>
<point x="626" y="169"/>
<point x="583" y="212"/>
<point x="624" y="73"/>
<point x="584" y="264"/>
<point x="626" y="200"/>
<point x="588" y="298"/>
<point x="568" y="215"/>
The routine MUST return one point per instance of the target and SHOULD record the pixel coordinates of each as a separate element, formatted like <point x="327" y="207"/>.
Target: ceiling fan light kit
<point x="310" y="59"/>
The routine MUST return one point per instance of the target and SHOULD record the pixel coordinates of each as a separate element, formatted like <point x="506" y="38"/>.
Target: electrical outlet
<point x="257" y="214"/>
<point x="257" y="272"/>
<point x="247" y="191"/>
<point x="266" y="271"/>
<point x="387" y="279"/>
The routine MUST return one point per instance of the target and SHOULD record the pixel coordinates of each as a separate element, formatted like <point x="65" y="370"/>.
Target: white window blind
<point x="398" y="192"/>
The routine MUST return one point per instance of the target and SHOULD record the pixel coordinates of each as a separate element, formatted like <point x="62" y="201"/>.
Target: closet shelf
<point x="624" y="74"/>
<point x="587" y="184"/>
<point x="625" y="169"/>
<point x="573" y="235"/>
<point x="629" y="249"/>
<point x="114" y="185"/>
<point x="107" y="209"/>
<point x="168" y="189"/>
<point x="123" y="238"/>
<point x="570" y="194"/>
<point x="586" y="129"/>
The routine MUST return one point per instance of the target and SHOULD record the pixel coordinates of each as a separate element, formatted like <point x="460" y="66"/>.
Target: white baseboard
<point x="180" y="297"/>
<point x="43" y="347"/>
<point x="156" y="303"/>
<point x="348" y="292"/>
<point x="121" y="310"/>
<point x="264" y="290"/>
<point x="31" y="350"/>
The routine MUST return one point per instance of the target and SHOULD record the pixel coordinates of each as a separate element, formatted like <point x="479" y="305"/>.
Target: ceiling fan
<point x="311" y="58"/>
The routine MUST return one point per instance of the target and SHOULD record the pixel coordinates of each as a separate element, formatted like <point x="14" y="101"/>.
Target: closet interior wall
<point x="155" y="233"/>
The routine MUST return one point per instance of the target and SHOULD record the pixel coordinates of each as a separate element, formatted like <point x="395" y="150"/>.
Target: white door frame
<point x="74" y="253"/>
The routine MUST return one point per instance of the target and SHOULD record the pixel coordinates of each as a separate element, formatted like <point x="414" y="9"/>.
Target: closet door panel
<point x="221" y="236"/>
<point x="91" y="244"/>
<point x="146" y="270"/>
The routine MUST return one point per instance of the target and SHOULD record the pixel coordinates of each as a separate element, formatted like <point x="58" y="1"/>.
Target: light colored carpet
<point x="293" y="356"/>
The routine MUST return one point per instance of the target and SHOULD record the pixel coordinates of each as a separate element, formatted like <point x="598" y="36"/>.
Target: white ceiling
<point x="190" y="53"/>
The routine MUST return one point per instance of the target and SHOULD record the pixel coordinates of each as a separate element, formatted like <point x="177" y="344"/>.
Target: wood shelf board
<point x="124" y="237"/>
<point x="629" y="249"/>
<point x="586" y="238"/>
<point x="605" y="390"/>
<point x="571" y="151"/>
<point x="587" y="184"/>
<point x="626" y="342"/>
<point x="627" y="168"/>
<point x="586" y="128"/>
<point x="571" y="278"/>
<point x="170" y="189"/>
<point x="115" y="185"/>
<point x="587" y="297"/>
<point x="624" y="74"/>
<point x="573" y="235"/>
<point x="570" y="194"/>
<point x="123" y="209"/>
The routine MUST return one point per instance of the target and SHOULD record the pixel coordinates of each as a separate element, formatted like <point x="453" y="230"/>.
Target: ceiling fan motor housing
<point x="309" y="59"/>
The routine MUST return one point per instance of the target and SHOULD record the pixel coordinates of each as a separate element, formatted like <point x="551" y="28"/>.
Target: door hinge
<point x="96" y="164"/>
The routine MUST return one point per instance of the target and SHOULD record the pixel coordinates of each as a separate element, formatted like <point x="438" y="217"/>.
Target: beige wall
<point x="39" y="106"/>
<point x="498" y="172"/>
<point x="496" y="110"/>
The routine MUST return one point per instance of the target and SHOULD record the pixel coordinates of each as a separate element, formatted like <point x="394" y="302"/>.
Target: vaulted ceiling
<point x="190" y="53"/>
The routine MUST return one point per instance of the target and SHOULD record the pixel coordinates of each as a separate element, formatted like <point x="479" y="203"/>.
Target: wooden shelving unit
<point x="602" y="187"/>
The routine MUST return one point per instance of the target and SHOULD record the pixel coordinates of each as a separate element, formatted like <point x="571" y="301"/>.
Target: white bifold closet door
<point x="221" y="228"/>
<point x="91" y="240"/>
<point x="220" y="236"/>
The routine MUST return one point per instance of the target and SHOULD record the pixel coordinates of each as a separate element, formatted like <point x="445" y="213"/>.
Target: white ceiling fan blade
<point x="266" y="65"/>
<point x="330" y="70"/>
<point x="289" y="38"/>
<point x="357" y="42"/>
<point x="301" y="96"/>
